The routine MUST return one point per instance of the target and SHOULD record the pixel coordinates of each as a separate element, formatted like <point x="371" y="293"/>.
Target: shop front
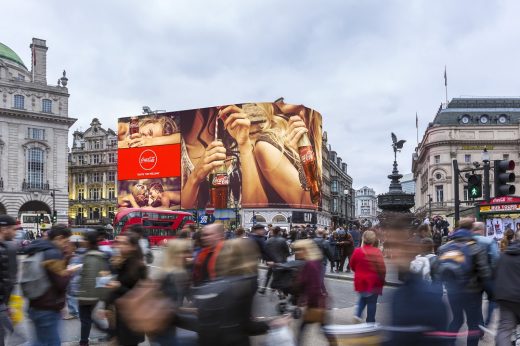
<point x="500" y="214"/>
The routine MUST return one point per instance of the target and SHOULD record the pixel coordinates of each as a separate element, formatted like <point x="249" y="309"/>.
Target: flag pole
<point x="446" y="85"/>
<point x="417" y="127"/>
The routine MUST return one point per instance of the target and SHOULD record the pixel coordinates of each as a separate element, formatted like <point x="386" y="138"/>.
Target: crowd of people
<point x="208" y="279"/>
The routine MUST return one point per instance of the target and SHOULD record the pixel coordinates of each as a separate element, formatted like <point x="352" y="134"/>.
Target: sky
<point x="367" y="66"/>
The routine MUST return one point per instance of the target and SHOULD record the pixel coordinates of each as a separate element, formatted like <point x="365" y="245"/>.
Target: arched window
<point x="19" y="102"/>
<point x="35" y="168"/>
<point x="259" y="218"/>
<point x="279" y="219"/>
<point x="46" y="106"/>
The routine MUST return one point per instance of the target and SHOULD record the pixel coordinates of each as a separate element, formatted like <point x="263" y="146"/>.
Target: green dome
<point x="9" y="54"/>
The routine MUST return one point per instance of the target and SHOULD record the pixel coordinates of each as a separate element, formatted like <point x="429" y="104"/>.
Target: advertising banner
<point x="254" y="155"/>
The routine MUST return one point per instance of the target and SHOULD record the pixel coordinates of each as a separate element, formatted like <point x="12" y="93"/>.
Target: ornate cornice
<point x="12" y="113"/>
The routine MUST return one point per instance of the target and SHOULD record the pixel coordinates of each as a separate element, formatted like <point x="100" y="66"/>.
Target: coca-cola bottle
<point x="308" y="160"/>
<point x="134" y="125"/>
<point x="218" y="187"/>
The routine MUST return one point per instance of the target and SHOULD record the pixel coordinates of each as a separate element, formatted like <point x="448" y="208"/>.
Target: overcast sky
<point x="367" y="66"/>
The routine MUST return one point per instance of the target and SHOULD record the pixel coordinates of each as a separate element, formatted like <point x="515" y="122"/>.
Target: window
<point x="505" y="157"/>
<point x="334" y="205"/>
<point x="81" y="194"/>
<point x="438" y="176"/>
<point x="259" y="218"/>
<point x="97" y="177"/>
<point x="34" y="133"/>
<point x="35" y="168"/>
<point x="437" y="159"/>
<point x="94" y="194"/>
<point x="279" y="219"/>
<point x="439" y="193"/>
<point x="97" y="145"/>
<point x="111" y="176"/>
<point x="96" y="159"/>
<point x="80" y="178"/>
<point x="334" y="186"/>
<point x="467" y="158"/>
<point x="113" y="142"/>
<point x="46" y="106"/>
<point x="93" y="213"/>
<point x="111" y="193"/>
<point x="21" y="77"/>
<point x="111" y="212"/>
<point x="466" y="193"/>
<point x="111" y="157"/>
<point x="81" y="160"/>
<point x="19" y="102"/>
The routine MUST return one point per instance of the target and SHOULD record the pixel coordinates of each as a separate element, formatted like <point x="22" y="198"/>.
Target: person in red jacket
<point x="369" y="276"/>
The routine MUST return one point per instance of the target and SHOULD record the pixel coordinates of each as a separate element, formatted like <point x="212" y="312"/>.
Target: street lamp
<point x="237" y="215"/>
<point x="486" y="159"/>
<point x="429" y="206"/>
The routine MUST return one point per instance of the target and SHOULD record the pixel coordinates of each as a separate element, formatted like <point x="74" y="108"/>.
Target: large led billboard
<point x="253" y="155"/>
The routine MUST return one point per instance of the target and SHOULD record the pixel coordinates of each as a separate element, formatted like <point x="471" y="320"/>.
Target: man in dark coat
<point x="507" y="292"/>
<point x="277" y="251"/>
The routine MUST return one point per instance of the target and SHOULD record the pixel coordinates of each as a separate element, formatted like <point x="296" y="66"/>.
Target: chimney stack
<point x="39" y="61"/>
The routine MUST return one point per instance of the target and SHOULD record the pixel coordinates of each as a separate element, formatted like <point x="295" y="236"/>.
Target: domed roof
<point x="9" y="54"/>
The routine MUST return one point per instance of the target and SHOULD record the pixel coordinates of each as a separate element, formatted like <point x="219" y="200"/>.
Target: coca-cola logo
<point x="306" y="154"/>
<point x="148" y="159"/>
<point x="220" y="179"/>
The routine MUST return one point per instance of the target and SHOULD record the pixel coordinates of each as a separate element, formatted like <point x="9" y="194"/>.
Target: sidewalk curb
<point x="345" y="277"/>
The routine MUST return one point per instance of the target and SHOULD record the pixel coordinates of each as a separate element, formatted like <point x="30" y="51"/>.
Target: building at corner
<point x="461" y="130"/>
<point x="93" y="176"/>
<point x="366" y="205"/>
<point x="34" y="125"/>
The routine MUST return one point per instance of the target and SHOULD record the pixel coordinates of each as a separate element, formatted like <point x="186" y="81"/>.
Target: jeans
<point x="46" y="325"/>
<point x="470" y="303"/>
<point x="509" y="318"/>
<point x="268" y="277"/>
<point x="85" y="317"/>
<point x="491" y="307"/>
<point x="5" y="325"/>
<point x="370" y="301"/>
<point x="72" y="305"/>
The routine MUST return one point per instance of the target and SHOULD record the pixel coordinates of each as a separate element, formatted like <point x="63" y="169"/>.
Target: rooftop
<point x="9" y="54"/>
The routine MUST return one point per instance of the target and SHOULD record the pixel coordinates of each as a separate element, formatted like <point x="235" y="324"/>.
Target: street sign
<point x="206" y="219"/>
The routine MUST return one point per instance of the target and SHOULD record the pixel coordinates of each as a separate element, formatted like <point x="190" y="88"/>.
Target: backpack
<point x="455" y="263"/>
<point x="34" y="280"/>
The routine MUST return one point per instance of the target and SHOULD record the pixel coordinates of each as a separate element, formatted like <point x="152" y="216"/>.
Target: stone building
<point x="342" y="205"/>
<point x="34" y="125"/>
<point x="93" y="175"/>
<point x="366" y="204"/>
<point x="461" y="130"/>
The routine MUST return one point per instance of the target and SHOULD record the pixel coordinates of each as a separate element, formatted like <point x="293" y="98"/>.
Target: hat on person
<point x="6" y="220"/>
<point x="258" y="226"/>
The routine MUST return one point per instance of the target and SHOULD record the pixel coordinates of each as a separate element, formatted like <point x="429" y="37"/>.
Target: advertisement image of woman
<point x="159" y="198"/>
<point x="154" y="130"/>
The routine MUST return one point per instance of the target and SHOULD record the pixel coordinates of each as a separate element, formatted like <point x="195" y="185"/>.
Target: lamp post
<point x="237" y="215"/>
<point x="486" y="160"/>
<point x="429" y="206"/>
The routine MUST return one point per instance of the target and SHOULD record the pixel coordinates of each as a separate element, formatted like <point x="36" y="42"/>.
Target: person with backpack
<point x="323" y="244"/>
<point x="479" y="231"/>
<point x="463" y="266"/>
<point x="44" y="282"/>
<point x="95" y="265"/>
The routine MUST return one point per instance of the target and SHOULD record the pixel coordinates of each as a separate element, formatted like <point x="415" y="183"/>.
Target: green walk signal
<point x="475" y="185"/>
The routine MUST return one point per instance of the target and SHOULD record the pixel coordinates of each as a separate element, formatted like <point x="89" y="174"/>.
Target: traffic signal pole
<point x="487" y="192"/>
<point x="456" y="191"/>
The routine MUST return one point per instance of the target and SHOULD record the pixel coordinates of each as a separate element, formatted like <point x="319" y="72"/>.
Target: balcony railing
<point x="29" y="186"/>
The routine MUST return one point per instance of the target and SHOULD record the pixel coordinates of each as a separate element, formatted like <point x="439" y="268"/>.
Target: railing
<point x="27" y="186"/>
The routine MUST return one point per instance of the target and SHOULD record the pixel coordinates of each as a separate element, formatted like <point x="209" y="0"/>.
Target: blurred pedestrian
<point x="356" y="236"/>
<point x="313" y="294"/>
<point x="369" y="275"/>
<point x="77" y="250"/>
<point x="6" y="283"/>
<point x="277" y="251"/>
<point x="463" y="266"/>
<point x="174" y="282"/>
<point x="507" y="292"/>
<point x="507" y="239"/>
<point x="95" y="265"/>
<point x="45" y="309"/>
<point x="335" y="252"/>
<point x="212" y="238"/>
<point x="323" y="244"/>
<point x="130" y="270"/>
<point x="258" y="236"/>
<point x="144" y="243"/>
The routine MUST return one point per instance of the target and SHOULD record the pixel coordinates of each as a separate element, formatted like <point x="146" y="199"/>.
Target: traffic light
<point x="475" y="186"/>
<point x="503" y="177"/>
<point x="41" y="218"/>
<point x="54" y="216"/>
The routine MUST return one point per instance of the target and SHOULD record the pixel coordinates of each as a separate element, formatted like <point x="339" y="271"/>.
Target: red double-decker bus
<point x="158" y="224"/>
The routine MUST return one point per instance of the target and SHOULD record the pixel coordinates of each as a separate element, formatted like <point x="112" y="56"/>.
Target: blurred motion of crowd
<point x="208" y="279"/>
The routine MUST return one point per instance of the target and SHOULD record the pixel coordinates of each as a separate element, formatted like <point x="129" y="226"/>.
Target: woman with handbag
<point x="95" y="263"/>
<point x="313" y="293"/>
<point x="130" y="270"/>
<point x="369" y="276"/>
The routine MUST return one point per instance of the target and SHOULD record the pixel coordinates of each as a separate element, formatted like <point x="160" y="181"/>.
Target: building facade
<point x="93" y="176"/>
<point x="342" y="204"/>
<point x="366" y="205"/>
<point x="461" y="130"/>
<point x="408" y="183"/>
<point x="34" y="126"/>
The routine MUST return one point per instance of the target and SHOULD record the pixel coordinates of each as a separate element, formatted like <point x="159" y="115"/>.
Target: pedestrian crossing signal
<point x="475" y="186"/>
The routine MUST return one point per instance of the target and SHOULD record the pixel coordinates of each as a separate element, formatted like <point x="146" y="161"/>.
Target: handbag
<point x="314" y="315"/>
<point x="145" y="309"/>
<point x="282" y="336"/>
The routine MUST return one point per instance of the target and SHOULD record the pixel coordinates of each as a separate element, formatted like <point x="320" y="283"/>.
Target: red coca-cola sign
<point x="148" y="159"/>
<point x="306" y="154"/>
<point x="220" y="179"/>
